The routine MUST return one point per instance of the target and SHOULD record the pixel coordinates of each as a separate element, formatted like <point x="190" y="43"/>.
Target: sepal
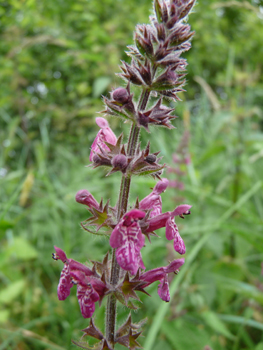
<point x="130" y="73"/>
<point x="125" y="328"/>
<point x="185" y="10"/>
<point x="127" y="287"/>
<point x="102" y="267"/>
<point x="121" y="103"/>
<point x="93" y="331"/>
<point x="145" y="163"/>
<point x="101" y="218"/>
<point x="157" y="115"/>
<point x="129" y="304"/>
<point x="129" y="340"/>
<point x="102" y="345"/>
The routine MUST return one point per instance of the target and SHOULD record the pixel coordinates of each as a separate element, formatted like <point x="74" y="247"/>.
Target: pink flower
<point x="89" y="290"/>
<point x="85" y="197"/>
<point x="105" y="134"/>
<point x="160" y="274"/>
<point x="171" y="230"/>
<point x="129" y="240"/>
<point x="89" y="287"/>
<point x="154" y="200"/>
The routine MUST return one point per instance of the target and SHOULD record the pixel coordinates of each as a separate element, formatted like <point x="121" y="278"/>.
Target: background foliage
<point x="57" y="58"/>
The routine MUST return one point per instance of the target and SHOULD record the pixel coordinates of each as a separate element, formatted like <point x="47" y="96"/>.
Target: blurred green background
<point x="57" y="57"/>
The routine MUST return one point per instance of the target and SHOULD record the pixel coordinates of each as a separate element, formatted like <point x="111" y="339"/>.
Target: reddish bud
<point x="85" y="197"/>
<point x="120" y="95"/>
<point x="151" y="158"/>
<point x="119" y="161"/>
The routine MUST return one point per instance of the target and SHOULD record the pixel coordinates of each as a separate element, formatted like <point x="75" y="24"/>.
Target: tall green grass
<point x="217" y="296"/>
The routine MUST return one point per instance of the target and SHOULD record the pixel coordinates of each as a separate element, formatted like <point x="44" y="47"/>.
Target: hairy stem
<point x="121" y="209"/>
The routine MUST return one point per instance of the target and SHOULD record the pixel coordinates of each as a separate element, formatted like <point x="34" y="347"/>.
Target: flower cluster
<point x="128" y="237"/>
<point x="109" y="151"/>
<point x="90" y="287"/>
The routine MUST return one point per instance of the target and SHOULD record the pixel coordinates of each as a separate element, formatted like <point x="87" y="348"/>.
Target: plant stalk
<point x="111" y="311"/>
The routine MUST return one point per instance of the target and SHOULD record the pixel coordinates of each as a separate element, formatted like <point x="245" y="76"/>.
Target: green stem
<point x="111" y="311"/>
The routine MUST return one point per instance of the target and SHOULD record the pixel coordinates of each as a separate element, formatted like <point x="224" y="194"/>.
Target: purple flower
<point x="129" y="240"/>
<point x="105" y="134"/>
<point x="85" y="197"/>
<point x="171" y="230"/>
<point x="89" y="290"/>
<point x="154" y="200"/>
<point x="89" y="287"/>
<point x="160" y="274"/>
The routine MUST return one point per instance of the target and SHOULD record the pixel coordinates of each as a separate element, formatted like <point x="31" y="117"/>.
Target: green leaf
<point x="241" y="320"/>
<point x="12" y="291"/>
<point x="21" y="249"/>
<point x="5" y="224"/>
<point x="4" y="315"/>
<point x="216" y="324"/>
<point x="100" y="85"/>
<point x="185" y="336"/>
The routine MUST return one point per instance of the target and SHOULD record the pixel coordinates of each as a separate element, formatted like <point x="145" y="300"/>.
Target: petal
<point x="109" y="136"/>
<point x="140" y="261"/>
<point x="60" y="254"/>
<point x="157" y="208"/>
<point x="77" y="266"/>
<point x="141" y="240"/>
<point x="127" y="257"/>
<point x="163" y="290"/>
<point x="174" y="265"/>
<point x="85" y="197"/>
<point x="153" y="275"/>
<point x="181" y="209"/>
<point x="131" y="216"/>
<point x="128" y="228"/>
<point x="97" y="144"/>
<point x="64" y="283"/>
<point x="98" y="285"/>
<point x="152" y="201"/>
<point x="171" y="229"/>
<point x="102" y="123"/>
<point x="179" y="245"/>
<point x="158" y="221"/>
<point x="87" y="297"/>
<point x="118" y="236"/>
<point x="161" y="186"/>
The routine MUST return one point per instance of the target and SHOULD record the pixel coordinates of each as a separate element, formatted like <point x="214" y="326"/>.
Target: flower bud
<point x="120" y="95"/>
<point x="119" y="161"/>
<point x="151" y="158"/>
<point x="161" y="186"/>
<point x="143" y="120"/>
<point x="85" y="197"/>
